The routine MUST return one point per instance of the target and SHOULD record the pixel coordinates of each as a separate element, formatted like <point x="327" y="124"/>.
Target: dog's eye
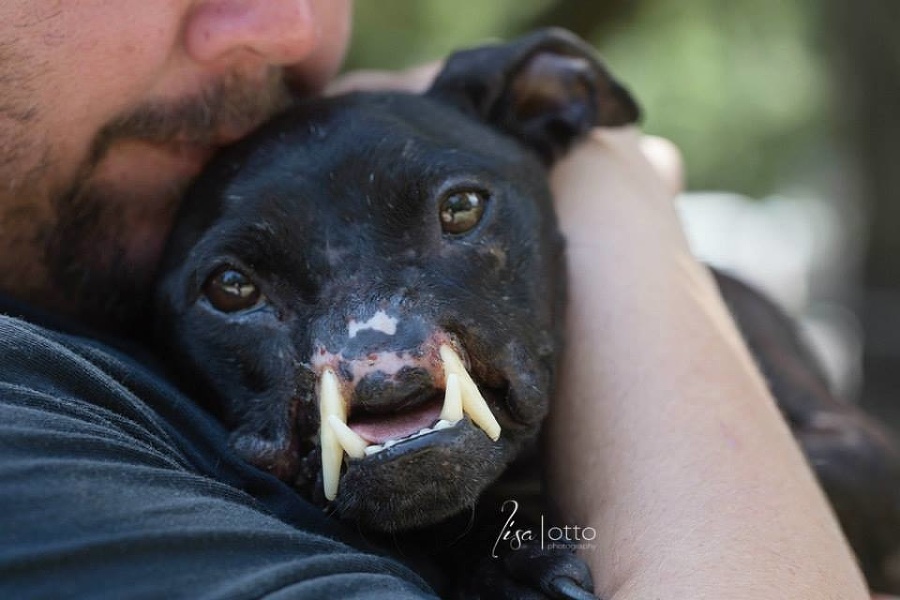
<point x="461" y="211"/>
<point x="229" y="290"/>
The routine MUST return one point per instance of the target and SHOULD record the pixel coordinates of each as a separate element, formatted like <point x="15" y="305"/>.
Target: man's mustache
<point x="231" y="107"/>
<point x="86" y="250"/>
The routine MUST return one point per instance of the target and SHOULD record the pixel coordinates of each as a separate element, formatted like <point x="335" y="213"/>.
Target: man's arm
<point x="664" y="437"/>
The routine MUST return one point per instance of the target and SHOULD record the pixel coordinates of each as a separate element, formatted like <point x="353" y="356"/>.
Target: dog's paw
<point x="532" y="573"/>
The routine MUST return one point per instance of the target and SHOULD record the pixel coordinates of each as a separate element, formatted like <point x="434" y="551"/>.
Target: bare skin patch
<point x="380" y="321"/>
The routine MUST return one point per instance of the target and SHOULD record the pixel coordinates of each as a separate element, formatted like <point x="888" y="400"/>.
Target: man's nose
<point x="279" y="31"/>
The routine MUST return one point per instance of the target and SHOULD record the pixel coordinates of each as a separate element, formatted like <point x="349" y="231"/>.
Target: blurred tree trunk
<point x="864" y="44"/>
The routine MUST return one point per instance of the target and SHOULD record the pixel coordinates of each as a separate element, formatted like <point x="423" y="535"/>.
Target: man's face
<point x="109" y="108"/>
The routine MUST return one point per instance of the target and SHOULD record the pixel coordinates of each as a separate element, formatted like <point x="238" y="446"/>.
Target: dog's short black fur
<point x="431" y="213"/>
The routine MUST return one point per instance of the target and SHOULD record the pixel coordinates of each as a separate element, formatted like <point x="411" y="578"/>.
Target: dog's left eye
<point x="229" y="290"/>
<point x="461" y="211"/>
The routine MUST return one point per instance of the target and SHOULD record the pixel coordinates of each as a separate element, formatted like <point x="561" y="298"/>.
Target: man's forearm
<point x="663" y="436"/>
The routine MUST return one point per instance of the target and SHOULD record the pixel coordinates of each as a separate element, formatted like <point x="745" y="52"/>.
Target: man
<point x="111" y="107"/>
<point x="113" y="484"/>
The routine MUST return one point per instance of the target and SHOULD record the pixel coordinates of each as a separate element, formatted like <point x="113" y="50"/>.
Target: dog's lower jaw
<point x="425" y="485"/>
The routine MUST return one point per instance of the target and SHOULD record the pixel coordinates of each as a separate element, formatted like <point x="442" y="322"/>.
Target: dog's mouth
<point x="382" y="431"/>
<point x="383" y="436"/>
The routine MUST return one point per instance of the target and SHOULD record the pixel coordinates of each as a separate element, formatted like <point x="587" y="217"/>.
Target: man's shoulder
<point x="52" y="379"/>
<point x="97" y="447"/>
<point x="57" y="377"/>
<point x="44" y="358"/>
<point x="67" y="390"/>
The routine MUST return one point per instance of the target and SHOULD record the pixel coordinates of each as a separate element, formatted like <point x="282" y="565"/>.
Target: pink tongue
<point x="380" y="428"/>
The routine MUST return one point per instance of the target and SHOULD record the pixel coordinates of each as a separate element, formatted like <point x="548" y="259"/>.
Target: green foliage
<point x="402" y="33"/>
<point x="739" y="85"/>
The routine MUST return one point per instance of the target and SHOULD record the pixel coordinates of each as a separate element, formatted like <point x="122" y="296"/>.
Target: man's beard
<point x="102" y="252"/>
<point x="90" y="255"/>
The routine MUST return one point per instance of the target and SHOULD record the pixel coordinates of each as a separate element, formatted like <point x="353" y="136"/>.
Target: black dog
<point x="370" y="290"/>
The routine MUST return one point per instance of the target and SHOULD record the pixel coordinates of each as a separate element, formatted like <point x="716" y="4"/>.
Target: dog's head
<point x="371" y="286"/>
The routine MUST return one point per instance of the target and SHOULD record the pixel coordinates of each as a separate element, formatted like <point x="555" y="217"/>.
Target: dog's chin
<point x="422" y="480"/>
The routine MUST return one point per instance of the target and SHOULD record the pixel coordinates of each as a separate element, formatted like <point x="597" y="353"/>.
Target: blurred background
<point x="788" y="113"/>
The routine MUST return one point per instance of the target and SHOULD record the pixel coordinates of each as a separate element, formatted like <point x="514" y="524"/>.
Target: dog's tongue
<point x="377" y="429"/>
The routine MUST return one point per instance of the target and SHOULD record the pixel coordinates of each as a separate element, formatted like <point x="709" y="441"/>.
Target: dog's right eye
<point x="229" y="290"/>
<point x="462" y="211"/>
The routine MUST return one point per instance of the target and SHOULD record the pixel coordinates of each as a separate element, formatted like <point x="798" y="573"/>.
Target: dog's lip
<point x="418" y="443"/>
<point x="437" y="434"/>
<point x="426" y="405"/>
<point x="427" y="408"/>
<point x="383" y="426"/>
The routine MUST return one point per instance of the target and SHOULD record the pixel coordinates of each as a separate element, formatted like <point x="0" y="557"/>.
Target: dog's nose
<point x="380" y="391"/>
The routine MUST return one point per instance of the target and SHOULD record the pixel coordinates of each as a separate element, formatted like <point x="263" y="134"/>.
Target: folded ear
<point x="547" y="89"/>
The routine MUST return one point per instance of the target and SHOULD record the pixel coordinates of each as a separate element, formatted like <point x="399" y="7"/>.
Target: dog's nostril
<point x="384" y="392"/>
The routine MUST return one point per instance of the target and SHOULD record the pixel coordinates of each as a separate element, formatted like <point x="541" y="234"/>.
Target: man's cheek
<point x="101" y="264"/>
<point x="108" y="237"/>
<point x="314" y="73"/>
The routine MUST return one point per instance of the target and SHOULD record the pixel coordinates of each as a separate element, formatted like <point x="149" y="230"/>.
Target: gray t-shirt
<point x="113" y="484"/>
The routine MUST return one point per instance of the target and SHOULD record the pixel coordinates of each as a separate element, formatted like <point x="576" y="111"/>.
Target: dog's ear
<point x="547" y="89"/>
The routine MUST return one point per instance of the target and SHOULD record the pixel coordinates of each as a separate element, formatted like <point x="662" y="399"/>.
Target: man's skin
<point x="111" y="106"/>
<point x="697" y="487"/>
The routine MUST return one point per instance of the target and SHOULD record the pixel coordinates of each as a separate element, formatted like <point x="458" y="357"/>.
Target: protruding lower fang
<point x="330" y="405"/>
<point x="473" y="403"/>
<point x="350" y="441"/>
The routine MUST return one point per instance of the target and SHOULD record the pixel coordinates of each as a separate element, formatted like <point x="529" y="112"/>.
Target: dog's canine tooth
<point x="350" y="441"/>
<point x="453" y="408"/>
<point x="475" y="406"/>
<point x="330" y="405"/>
<point x="473" y="403"/>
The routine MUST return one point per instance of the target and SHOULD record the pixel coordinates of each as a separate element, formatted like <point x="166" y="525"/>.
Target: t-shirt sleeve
<point x="101" y="497"/>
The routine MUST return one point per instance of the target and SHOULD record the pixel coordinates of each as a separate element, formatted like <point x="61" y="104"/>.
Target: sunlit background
<point x="784" y="110"/>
